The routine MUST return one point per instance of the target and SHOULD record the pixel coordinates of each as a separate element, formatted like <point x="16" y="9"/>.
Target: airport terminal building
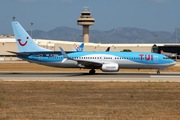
<point x="9" y="44"/>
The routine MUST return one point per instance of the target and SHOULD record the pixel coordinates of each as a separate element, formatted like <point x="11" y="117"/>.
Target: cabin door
<point x="155" y="59"/>
<point x="40" y="57"/>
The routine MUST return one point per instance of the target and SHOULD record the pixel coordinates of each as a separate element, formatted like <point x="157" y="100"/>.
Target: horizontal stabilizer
<point x="18" y="53"/>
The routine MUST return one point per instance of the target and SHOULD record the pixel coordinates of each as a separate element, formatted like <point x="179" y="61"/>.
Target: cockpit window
<point x="165" y="58"/>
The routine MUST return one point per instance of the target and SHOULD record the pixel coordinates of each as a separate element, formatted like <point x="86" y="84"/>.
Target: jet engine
<point x="112" y="67"/>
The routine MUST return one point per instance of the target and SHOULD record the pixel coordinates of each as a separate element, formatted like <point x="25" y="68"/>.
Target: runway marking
<point x="121" y="77"/>
<point x="166" y="76"/>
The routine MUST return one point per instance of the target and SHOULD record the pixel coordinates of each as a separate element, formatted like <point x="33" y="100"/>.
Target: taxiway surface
<point x="101" y="77"/>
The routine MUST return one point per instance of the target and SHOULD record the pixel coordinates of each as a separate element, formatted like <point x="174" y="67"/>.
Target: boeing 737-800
<point x="106" y="61"/>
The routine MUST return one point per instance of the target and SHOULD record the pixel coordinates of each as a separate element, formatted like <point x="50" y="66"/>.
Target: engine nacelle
<point x="112" y="67"/>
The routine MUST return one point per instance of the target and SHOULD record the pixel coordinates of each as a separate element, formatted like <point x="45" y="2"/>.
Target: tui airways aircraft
<point x="106" y="61"/>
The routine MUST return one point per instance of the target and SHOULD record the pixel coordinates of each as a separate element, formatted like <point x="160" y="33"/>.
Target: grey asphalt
<point x="98" y="77"/>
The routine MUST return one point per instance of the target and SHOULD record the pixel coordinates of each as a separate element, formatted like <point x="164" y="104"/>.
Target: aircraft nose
<point x="172" y="62"/>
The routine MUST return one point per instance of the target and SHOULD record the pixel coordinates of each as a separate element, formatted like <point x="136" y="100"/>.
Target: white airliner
<point x="106" y="61"/>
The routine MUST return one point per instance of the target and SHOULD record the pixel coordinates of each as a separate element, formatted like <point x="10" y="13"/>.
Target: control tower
<point x="85" y="21"/>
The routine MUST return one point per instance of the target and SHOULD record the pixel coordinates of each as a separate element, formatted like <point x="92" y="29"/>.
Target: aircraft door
<point x="155" y="59"/>
<point x="102" y="58"/>
<point x="40" y="57"/>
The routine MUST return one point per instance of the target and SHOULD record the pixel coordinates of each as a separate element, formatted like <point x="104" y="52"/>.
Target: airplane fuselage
<point x="130" y="60"/>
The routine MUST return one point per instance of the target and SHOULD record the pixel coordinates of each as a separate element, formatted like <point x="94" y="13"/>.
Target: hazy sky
<point x="153" y="15"/>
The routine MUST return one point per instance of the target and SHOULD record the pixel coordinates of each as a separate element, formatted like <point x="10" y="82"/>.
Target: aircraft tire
<point x="92" y="71"/>
<point x="158" y="72"/>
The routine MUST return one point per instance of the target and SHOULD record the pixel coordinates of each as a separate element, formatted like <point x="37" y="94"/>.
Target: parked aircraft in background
<point x="107" y="50"/>
<point x="106" y="61"/>
<point x="79" y="48"/>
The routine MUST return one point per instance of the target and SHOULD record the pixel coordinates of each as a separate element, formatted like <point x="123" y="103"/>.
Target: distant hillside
<point x="118" y="35"/>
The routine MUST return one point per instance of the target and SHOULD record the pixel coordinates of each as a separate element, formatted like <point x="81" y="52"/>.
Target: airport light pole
<point x="81" y="37"/>
<point x="155" y="38"/>
<point x="74" y="37"/>
<point x="176" y="35"/>
<point x="31" y="29"/>
<point x="13" y="20"/>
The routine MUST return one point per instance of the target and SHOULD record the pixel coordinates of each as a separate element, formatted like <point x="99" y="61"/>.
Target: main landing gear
<point x="158" y="72"/>
<point x="92" y="71"/>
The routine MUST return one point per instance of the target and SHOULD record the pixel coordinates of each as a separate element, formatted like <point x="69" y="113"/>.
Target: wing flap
<point x="88" y="63"/>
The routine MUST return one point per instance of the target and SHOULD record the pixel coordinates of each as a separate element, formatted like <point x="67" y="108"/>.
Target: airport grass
<point x="32" y="67"/>
<point x="87" y="100"/>
<point x="90" y="100"/>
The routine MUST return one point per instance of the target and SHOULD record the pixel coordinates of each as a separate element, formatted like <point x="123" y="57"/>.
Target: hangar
<point x="169" y="48"/>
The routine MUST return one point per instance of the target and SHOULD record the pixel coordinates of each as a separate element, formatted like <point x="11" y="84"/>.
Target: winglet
<point x="65" y="56"/>
<point x="63" y="53"/>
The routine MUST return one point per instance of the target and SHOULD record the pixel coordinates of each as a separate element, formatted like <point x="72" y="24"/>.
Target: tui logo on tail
<point x="19" y="40"/>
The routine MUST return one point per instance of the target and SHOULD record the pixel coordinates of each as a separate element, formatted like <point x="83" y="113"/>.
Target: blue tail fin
<point x="73" y="49"/>
<point x="24" y="42"/>
<point x="81" y="47"/>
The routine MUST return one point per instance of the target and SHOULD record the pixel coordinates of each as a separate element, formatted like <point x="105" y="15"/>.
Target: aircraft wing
<point x="82" y="62"/>
<point x="88" y="63"/>
<point x="18" y="53"/>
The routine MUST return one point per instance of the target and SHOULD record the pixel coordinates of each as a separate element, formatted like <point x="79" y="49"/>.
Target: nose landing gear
<point x="158" y="72"/>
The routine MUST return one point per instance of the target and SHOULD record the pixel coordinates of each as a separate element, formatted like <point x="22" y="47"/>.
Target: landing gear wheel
<point x="92" y="71"/>
<point x="158" y="72"/>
